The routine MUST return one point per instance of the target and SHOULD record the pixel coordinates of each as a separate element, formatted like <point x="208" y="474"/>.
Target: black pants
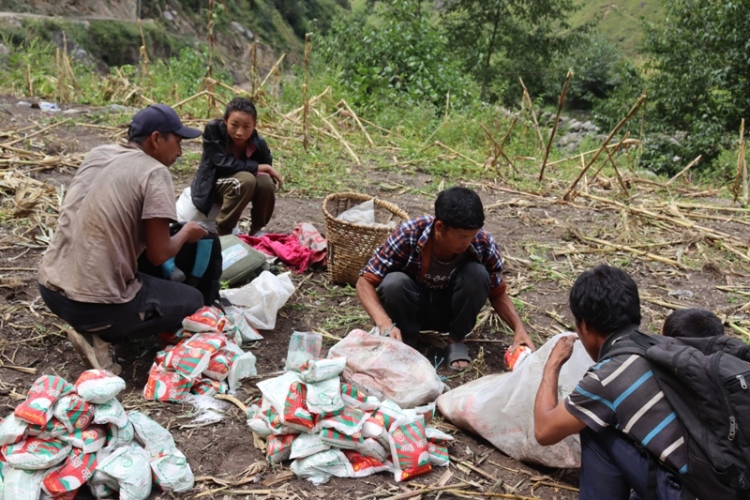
<point x="159" y="306"/>
<point x="454" y="309"/>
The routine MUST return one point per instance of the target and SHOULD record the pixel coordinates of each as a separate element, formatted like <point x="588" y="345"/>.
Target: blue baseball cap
<point x="160" y="118"/>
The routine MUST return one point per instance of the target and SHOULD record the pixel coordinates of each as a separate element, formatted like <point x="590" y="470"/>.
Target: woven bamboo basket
<point x="351" y="245"/>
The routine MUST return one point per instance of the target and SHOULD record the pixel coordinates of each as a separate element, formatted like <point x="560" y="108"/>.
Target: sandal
<point x="456" y="351"/>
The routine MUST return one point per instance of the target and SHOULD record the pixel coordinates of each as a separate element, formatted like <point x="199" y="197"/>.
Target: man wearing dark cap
<point x="118" y="207"/>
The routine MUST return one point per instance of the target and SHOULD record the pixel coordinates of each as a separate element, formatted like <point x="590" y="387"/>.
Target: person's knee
<point x="265" y="184"/>
<point x="396" y="283"/>
<point x="192" y="299"/>
<point x="248" y="183"/>
<point x="474" y="275"/>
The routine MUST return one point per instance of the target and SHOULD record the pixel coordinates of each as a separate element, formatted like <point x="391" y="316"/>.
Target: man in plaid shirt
<point x="436" y="273"/>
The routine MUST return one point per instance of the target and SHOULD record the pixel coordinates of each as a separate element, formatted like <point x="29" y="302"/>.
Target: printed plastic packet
<point x="20" y="484"/>
<point x="73" y="412"/>
<point x="164" y="385"/>
<point x="120" y="436"/>
<point x="257" y="423"/>
<point x="245" y="329"/>
<point x="53" y="430"/>
<point x="13" y="430"/>
<point x="319" y="468"/>
<point x="275" y="390"/>
<point x="340" y="440"/>
<point x="111" y="412"/>
<point x="155" y="438"/>
<point x="279" y="448"/>
<point x="205" y="387"/>
<point x="275" y="424"/>
<point x="129" y="468"/>
<point x="219" y="364"/>
<point x="187" y="360"/>
<point x="172" y="472"/>
<point x="242" y="367"/>
<point x="90" y="440"/>
<point x="305" y="445"/>
<point x="101" y="491"/>
<point x="411" y="457"/>
<point x="205" y="319"/>
<point x="99" y="386"/>
<point x="295" y="413"/>
<point x="354" y="397"/>
<point x="389" y="412"/>
<point x="437" y="436"/>
<point x="370" y="447"/>
<point x="317" y="370"/>
<point x="43" y="394"/>
<point x="439" y="455"/>
<point x="35" y="454"/>
<point x="325" y="396"/>
<point x="74" y="473"/>
<point x="209" y="341"/>
<point x="363" y="466"/>
<point x="349" y="421"/>
<point x="303" y="346"/>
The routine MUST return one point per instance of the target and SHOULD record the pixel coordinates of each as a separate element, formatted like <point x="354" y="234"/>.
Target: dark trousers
<point x="159" y="306"/>
<point x="454" y="309"/>
<point x="612" y="466"/>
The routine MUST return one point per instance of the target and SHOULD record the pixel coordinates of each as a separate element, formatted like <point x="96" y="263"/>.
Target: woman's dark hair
<point x="694" y="323"/>
<point x="459" y="208"/>
<point x="242" y="104"/>
<point x="606" y="298"/>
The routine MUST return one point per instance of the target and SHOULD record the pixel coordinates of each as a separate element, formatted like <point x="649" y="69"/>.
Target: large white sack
<point x="387" y="369"/>
<point x="500" y="407"/>
<point x="261" y="299"/>
<point x="187" y="212"/>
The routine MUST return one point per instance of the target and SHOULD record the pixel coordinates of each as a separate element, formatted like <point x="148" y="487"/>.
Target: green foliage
<point x="599" y="70"/>
<point x="700" y="67"/>
<point x="499" y="41"/>
<point x="405" y="59"/>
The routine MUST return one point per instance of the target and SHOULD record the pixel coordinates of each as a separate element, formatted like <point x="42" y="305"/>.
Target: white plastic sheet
<point x="186" y="211"/>
<point x="261" y="299"/>
<point x="387" y="369"/>
<point x="500" y="407"/>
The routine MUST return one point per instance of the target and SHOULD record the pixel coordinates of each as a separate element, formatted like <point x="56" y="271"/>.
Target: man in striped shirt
<point x="631" y="439"/>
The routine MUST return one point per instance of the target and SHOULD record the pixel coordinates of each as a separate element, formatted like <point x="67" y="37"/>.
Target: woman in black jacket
<point x="236" y="170"/>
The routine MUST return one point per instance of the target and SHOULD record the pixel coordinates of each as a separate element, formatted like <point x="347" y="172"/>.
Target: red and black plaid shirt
<point x="402" y="252"/>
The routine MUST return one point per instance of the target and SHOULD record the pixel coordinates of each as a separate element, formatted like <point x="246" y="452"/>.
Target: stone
<point x="4" y="50"/>
<point x="168" y="16"/>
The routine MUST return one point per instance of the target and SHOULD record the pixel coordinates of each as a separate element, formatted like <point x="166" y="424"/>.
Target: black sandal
<point x="456" y="351"/>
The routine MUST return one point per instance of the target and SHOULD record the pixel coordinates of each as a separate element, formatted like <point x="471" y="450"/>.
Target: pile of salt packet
<point x="64" y="436"/>
<point x="330" y="428"/>
<point x="203" y="358"/>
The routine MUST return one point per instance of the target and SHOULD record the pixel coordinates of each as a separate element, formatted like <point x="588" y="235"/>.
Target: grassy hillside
<point x="619" y="21"/>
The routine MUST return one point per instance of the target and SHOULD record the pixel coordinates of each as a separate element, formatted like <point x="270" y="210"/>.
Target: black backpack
<point x="707" y="383"/>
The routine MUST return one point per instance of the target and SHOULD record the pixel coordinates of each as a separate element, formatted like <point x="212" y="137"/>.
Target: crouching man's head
<point x="603" y="300"/>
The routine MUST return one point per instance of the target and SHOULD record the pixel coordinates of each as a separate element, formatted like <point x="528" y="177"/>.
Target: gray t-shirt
<point x="440" y="273"/>
<point x="93" y="256"/>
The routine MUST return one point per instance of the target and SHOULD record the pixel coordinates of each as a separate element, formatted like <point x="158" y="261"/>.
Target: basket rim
<point x="391" y="207"/>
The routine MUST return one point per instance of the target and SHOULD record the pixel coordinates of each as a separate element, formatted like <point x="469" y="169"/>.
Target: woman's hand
<point x="275" y="177"/>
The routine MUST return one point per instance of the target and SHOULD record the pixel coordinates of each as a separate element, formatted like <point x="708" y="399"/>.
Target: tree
<point x="700" y="83"/>
<point x="401" y="55"/>
<point x="501" y="40"/>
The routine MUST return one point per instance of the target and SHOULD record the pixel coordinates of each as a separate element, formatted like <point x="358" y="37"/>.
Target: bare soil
<point x="527" y="229"/>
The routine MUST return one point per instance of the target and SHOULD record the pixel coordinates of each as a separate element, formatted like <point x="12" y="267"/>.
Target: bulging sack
<point x="261" y="299"/>
<point x="387" y="369"/>
<point x="500" y="407"/>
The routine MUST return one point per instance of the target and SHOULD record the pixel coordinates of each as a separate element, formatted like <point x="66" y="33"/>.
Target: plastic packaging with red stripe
<point x="363" y="466"/>
<point x="43" y="394"/>
<point x="73" y="412"/>
<point x="205" y="319"/>
<point x="35" y="454"/>
<point x="74" y="473"/>
<point x="166" y="385"/>
<point x="411" y="456"/>
<point x="98" y="386"/>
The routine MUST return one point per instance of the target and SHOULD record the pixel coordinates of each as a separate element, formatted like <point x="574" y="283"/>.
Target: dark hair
<point x="242" y="104"/>
<point x="459" y="208"/>
<point x="606" y="298"/>
<point x="694" y="323"/>
<point x="140" y="138"/>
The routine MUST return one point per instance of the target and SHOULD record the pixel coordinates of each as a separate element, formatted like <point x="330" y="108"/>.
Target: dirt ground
<point x="532" y="231"/>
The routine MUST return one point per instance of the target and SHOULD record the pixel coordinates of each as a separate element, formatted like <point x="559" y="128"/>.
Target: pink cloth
<point x="299" y="250"/>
